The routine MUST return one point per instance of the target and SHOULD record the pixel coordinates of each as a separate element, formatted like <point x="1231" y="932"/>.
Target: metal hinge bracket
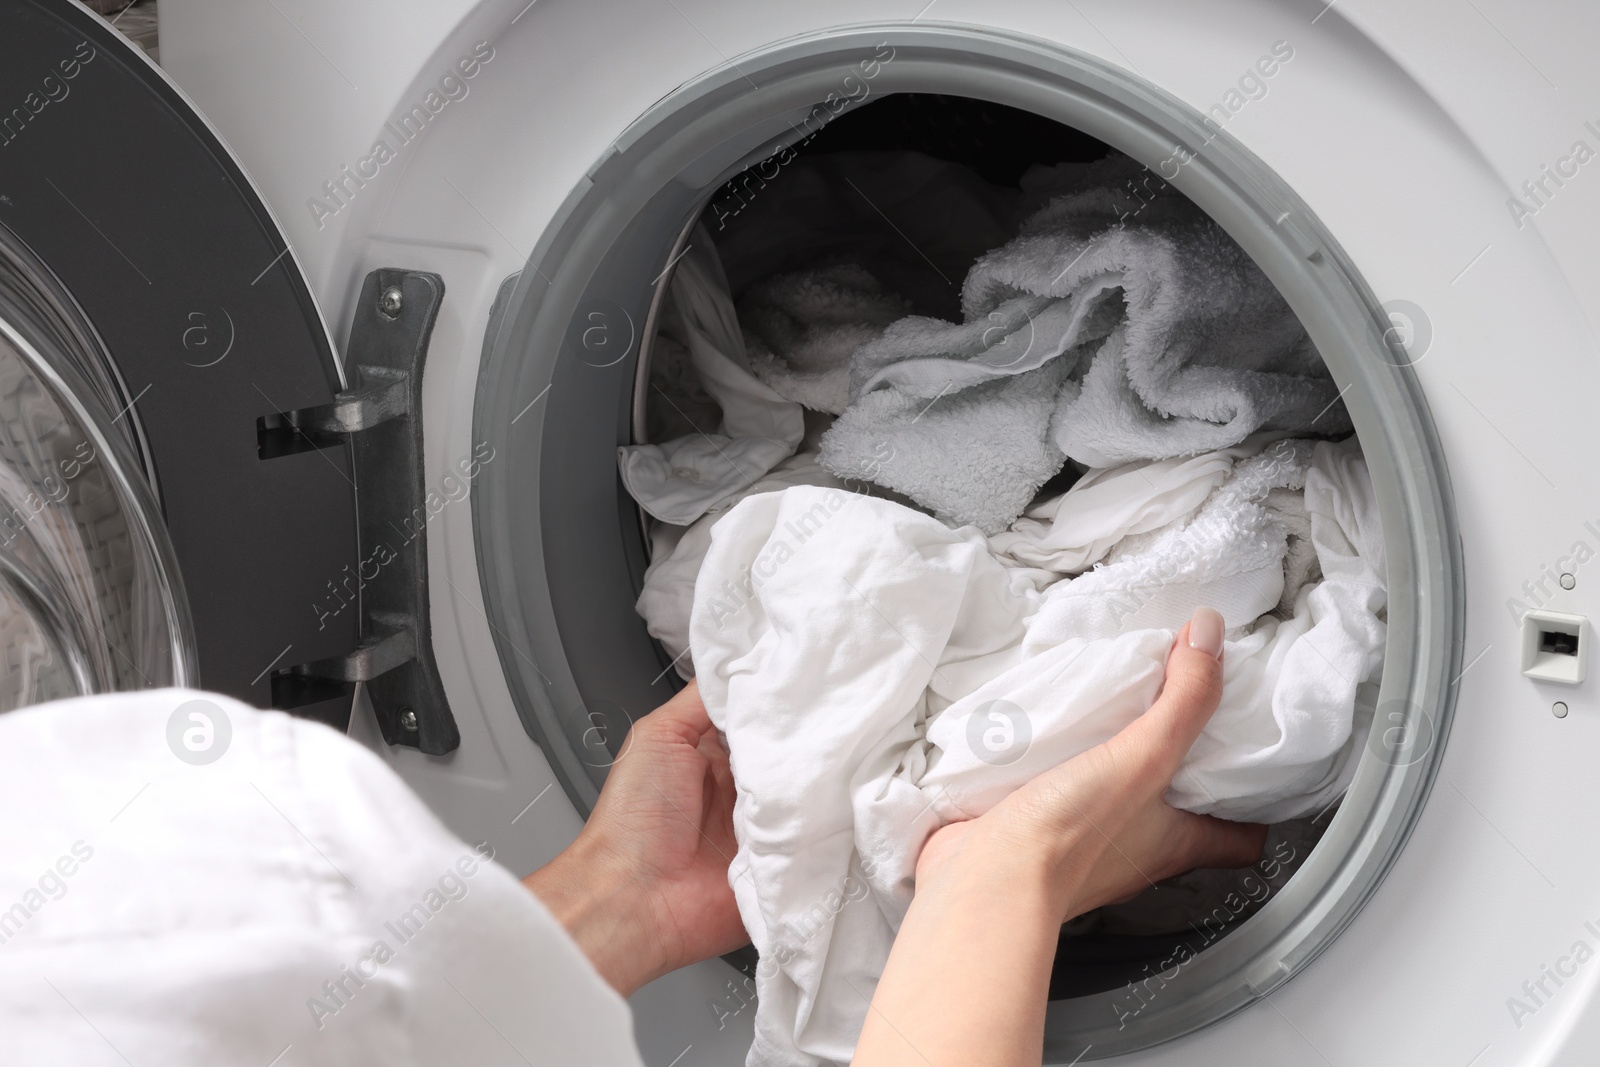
<point x="383" y="393"/>
<point x="379" y="417"/>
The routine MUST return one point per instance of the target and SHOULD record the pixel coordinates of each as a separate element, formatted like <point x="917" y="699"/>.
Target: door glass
<point x="89" y="598"/>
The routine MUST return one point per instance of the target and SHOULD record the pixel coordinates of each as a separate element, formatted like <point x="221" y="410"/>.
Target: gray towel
<point x="801" y="329"/>
<point x="1161" y="336"/>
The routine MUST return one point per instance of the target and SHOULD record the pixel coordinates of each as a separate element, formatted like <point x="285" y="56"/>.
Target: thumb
<point x="1159" y="739"/>
<point x="684" y="714"/>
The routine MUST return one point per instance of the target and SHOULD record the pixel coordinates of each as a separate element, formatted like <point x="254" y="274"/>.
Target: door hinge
<point x="383" y="393"/>
<point x="379" y="417"/>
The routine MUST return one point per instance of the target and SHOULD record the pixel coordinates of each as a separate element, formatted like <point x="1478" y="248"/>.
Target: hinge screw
<point x="391" y="301"/>
<point x="408" y="720"/>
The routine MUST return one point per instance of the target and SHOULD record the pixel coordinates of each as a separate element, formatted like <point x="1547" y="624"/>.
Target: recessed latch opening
<point x="1554" y="647"/>
<point x="1562" y="644"/>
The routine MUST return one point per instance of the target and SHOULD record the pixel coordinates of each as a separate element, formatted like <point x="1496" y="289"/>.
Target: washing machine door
<point x="180" y="455"/>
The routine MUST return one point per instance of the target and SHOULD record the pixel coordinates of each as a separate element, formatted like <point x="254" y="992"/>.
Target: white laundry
<point x="798" y="255"/>
<point x="1153" y="332"/>
<point x="1112" y="327"/>
<point x="802" y="328"/>
<point x="878" y="674"/>
<point x="1073" y="531"/>
<point x="677" y="481"/>
<point x="677" y="552"/>
<point x="973" y="457"/>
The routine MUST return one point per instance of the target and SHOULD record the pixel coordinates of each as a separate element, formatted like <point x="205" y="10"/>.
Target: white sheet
<point x="877" y="674"/>
<point x="667" y="599"/>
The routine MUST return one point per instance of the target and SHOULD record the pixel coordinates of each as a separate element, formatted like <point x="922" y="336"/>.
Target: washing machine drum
<point x="177" y="478"/>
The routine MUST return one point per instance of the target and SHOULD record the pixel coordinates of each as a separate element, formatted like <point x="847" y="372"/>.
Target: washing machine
<point x="317" y="344"/>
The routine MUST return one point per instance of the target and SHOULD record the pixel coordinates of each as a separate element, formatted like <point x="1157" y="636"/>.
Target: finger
<point x="1157" y="741"/>
<point x="1220" y="843"/>
<point x="685" y="714"/>
<point x="720" y="792"/>
<point x="717" y="760"/>
<point x="1172" y="843"/>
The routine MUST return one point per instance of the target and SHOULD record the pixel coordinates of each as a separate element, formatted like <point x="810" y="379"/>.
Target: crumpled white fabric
<point x="679" y="480"/>
<point x="677" y="552"/>
<point x="877" y="674"/>
<point x="288" y="892"/>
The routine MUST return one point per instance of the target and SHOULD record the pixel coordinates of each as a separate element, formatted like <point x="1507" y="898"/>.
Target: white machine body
<point x="1451" y="149"/>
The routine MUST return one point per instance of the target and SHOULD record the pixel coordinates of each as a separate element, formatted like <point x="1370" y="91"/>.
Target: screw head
<point x="408" y="720"/>
<point x="1560" y="709"/>
<point x="1569" y="581"/>
<point x="391" y="301"/>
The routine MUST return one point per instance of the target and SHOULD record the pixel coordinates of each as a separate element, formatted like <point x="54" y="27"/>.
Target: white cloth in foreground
<point x="878" y="674"/>
<point x="291" y="899"/>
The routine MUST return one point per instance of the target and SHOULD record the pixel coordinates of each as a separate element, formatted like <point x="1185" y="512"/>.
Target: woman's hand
<point x="644" y="888"/>
<point x="967" y="978"/>
<point x="1097" y="824"/>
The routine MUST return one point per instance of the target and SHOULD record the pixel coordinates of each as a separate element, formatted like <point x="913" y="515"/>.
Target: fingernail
<point x="1205" y="632"/>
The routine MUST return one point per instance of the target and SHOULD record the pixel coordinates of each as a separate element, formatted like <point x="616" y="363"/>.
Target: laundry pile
<point x="894" y="627"/>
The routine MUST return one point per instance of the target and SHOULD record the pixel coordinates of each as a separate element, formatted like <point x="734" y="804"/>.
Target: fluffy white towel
<point x="975" y="457"/>
<point x="679" y="480"/>
<point x="802" y="328"/>
<point x="878" y="674"/>
<point x="1175" y="341"/>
